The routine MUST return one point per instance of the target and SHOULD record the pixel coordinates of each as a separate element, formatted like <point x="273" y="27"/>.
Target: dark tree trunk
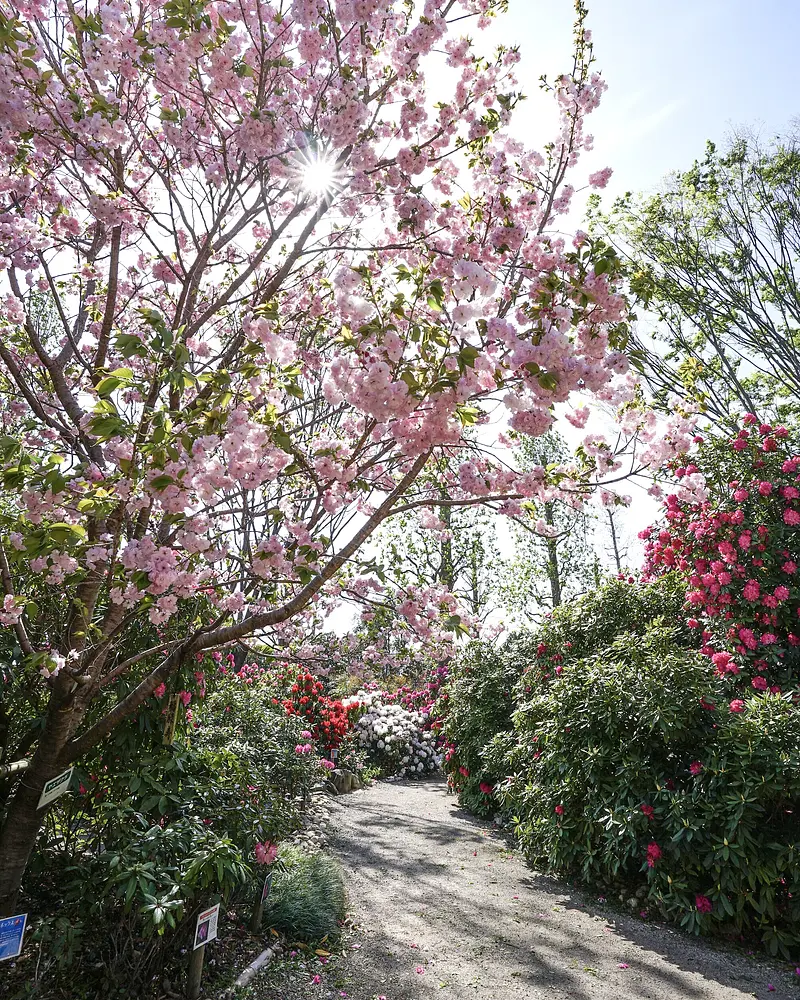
<point x="446" y="570"/>
<point x="553" y="569"/>
<point x="24" y="819"/>
<point x="614" y="541"/>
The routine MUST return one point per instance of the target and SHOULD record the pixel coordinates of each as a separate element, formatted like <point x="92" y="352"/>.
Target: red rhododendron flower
<point x="654" y="852"/>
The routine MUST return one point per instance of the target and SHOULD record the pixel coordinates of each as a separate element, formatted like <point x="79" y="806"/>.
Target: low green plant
<point x="308" y="897"/>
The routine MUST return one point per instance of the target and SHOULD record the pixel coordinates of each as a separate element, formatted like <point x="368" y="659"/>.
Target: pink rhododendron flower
<point x="266" y="853"/>
<point x="695" y="767"/>
<point x="559" y="810"/>
<point x="737" y="705"/>
<point x="703" y="904"/>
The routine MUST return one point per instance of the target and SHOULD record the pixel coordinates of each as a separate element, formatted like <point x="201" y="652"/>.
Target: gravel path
<point x="445" y="910"/>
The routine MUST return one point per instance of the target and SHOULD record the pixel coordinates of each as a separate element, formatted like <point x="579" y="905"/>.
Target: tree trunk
<point x="446" y="571"/>
<point x="614" y="542"/>
<point x="553" y="571"/>
<point x="24" y="819"/>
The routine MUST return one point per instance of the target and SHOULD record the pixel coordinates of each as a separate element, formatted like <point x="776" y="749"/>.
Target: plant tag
<point x="206" y="929"/>
<point x="12" y="930"/>
<point x="55" y="787"/>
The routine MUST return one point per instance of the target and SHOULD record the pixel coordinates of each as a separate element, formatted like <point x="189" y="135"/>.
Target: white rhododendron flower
<point x="394" y="737"/>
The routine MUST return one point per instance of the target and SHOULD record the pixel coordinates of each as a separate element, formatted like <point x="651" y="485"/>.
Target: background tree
<point x="554" y="559"/>
<point x="453" y="546"/>
<point x="617" y="548"/>
<point x="715" y="256"/>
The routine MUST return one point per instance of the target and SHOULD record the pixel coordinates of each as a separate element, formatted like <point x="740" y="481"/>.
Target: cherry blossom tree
<point x="256" y="272"/>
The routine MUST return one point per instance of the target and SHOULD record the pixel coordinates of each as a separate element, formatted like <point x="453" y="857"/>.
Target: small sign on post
<point x="205" y="930"/>
<point x="258" y="909"/>
<point x="171" y="720"/>
<point x="12" y="930"/>
<point x="55" y="787"/>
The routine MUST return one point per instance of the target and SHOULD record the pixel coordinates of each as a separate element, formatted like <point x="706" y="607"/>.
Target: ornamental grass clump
<point x="308" y="898"/>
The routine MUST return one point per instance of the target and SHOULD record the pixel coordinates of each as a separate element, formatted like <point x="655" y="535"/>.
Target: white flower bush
<point x="394" y="738"/>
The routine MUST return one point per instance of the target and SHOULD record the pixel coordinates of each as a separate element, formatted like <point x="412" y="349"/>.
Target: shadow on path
<point x="437" y="890"/>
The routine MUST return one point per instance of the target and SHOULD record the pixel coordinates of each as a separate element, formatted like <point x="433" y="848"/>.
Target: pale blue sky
<point x="679" y="73"/>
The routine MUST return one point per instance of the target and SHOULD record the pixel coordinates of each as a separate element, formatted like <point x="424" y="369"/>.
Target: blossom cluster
<point x="394" y="737"/>
<point x="739" y="552"/>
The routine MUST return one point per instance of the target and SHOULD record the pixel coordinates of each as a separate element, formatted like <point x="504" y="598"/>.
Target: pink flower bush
<point x="737" y="552"/>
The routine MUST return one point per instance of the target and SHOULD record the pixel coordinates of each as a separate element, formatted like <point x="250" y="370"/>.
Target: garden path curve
<point x="432" y="888"/>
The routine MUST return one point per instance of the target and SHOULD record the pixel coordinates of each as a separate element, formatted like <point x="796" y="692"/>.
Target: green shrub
<point x="150" y="833"/>
<point x="592" y="622"/>
<point x="623" y="771"/>
<point x="308" y="897"/>
<point x="476" y="705"/>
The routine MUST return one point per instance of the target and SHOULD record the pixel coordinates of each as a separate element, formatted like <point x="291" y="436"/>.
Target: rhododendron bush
<point x="620" y="771"/>
<point x="256" y="272"/>
<point x="154" y="829"/>
<point x="739" y="552"/>
<point x="616" y="757"/>
<point x="394" y="738"/>
<point x="476" y="706"/>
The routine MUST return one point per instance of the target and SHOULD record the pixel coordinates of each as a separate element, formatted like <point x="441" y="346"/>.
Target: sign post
<point x="12" y="930"/>
<point x="55" y="787"/>
<point x="205" y="930"/>
<point x="258" y="909"/>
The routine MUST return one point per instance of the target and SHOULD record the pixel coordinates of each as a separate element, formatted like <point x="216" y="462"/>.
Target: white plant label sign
<point x="206" y="929"/>
<point x="55" y="787"/>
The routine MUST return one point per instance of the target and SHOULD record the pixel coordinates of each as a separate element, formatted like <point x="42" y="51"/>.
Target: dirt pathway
<point x="446" y="911"/>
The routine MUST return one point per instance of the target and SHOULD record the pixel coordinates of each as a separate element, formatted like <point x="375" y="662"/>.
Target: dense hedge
<point x="626" y="765"/>
<point x="477" y="704"/>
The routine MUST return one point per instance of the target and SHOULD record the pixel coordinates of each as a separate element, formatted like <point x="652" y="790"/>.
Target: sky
<point x="678" y="74"/>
